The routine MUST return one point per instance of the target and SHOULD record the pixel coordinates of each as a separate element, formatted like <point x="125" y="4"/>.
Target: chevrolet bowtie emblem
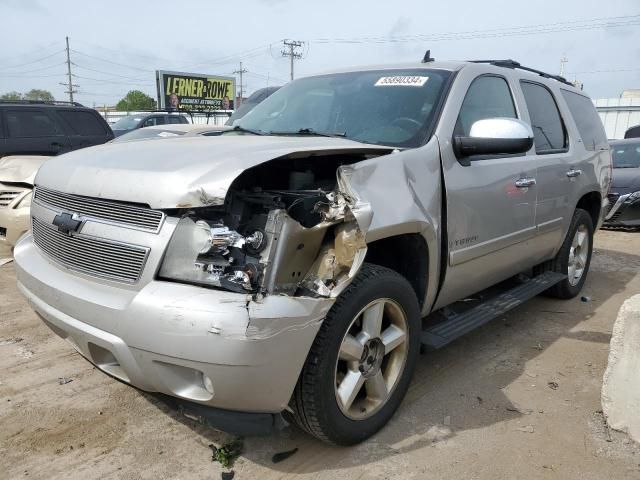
<point x="66" y="223"/>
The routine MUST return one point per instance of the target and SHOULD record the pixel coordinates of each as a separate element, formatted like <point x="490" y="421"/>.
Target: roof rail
<point x="513" y="64"/>
<point x="43" y="102"/>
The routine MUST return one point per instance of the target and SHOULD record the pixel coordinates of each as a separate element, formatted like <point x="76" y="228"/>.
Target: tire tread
<point x="304" y="405"/>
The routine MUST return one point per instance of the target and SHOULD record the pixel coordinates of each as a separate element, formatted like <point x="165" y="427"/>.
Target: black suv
<point x="49" y="128"/>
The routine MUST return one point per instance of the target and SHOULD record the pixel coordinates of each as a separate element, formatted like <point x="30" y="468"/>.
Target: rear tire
<point x="574" y="257"/>
<point x="354" y="379"/>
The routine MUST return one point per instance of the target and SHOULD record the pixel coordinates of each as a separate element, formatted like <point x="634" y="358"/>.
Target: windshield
<point x="147" y="134"/>
<point x="126" y="123"/>
<point x="387" y="107"/>
<point x="626" y="155"/>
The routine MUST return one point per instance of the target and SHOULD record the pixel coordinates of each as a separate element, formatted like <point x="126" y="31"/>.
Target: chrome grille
<point x="7" y="196"/>
<point x="111" y="211"/>
<point x="93" y="256"/>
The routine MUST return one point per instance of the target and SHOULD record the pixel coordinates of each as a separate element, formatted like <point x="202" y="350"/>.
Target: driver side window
<point x="488" y="97"/>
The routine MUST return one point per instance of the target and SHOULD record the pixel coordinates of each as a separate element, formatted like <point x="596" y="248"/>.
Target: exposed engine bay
<point x="286" y="226"/>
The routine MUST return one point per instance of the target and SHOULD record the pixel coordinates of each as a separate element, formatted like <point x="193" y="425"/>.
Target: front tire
<point x="574" y="256"/>
<point x="362" y="360"/>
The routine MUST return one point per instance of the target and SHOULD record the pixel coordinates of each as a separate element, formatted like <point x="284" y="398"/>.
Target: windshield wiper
<point x="238" y="128"/>
<point x="313" y="133"/>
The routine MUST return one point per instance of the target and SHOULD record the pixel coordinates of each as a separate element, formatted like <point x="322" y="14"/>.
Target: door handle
<point x="525" y="182"/>
<point x="574" y="173"/>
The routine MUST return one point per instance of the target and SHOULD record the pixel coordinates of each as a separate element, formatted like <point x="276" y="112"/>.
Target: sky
<point x="117" y="45"/>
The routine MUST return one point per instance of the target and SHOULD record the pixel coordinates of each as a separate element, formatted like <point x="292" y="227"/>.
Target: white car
<point x="171" y="131"/>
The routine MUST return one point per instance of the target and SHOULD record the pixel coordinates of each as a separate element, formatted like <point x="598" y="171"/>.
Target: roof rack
<point x="513" y="64"/>
<point x="43" y="102"/>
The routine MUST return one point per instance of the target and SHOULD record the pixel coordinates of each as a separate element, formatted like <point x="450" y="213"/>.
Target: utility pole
<point x="70" y="83"/>
<point x="291" y="53"/>
<point x="241" y="72"/>
<point x="563" y="60"/>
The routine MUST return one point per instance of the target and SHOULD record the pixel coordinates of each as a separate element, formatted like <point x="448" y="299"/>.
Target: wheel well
<point x="592" y="203"/>
<point x="406" y="254"/>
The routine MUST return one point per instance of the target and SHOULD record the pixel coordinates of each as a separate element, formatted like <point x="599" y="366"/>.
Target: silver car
<point x="295" y="264"/>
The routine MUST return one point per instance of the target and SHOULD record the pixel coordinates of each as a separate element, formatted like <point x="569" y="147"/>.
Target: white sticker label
<point x="168" y="134"/>
<point x="401" y="81"/>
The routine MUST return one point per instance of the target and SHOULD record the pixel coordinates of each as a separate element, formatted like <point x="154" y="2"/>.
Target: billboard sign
<point x="195" y="91"/>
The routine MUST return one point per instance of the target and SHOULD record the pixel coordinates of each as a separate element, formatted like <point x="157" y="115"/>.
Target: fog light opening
<point x="208" y="384"/>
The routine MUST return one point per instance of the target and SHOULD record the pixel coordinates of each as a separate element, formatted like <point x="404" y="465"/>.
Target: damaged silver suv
<point x="297" y="263"/>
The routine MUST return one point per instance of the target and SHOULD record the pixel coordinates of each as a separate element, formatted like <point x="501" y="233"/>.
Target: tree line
<point x="133" y="100"/>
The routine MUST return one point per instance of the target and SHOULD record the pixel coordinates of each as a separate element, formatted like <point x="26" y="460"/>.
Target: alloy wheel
<point x="372" y="357"/>
<point x="578" y="253"/>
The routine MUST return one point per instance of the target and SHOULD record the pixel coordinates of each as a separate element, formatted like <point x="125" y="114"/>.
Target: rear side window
<point x="488" y="97"/>
<point x="175" y="119"/>
<point x="587" y="120"/>
<point x="548" y="130"/>
<point x="153" y="121"/>
<point x="30" y="123"/>
<point x="82" y="123"/>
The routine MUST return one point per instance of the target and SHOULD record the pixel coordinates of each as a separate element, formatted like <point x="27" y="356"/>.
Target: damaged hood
<point x="20" y="168"/>
<point x="177" y="173"/>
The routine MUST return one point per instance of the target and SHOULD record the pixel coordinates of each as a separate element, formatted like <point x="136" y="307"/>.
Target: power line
<point x="234" y="57"/>
<point x="34" y="61"/>
<point x="588" y="72"/>
<point x="107" y="73"/>
<point x="267" y="77"/>
<point x="292" y="53"/>
<point x="112" y="62"/>
<point x="37" y="51"/>
<point x="33" y="76"/>
<point x="226" y="59"/>
<point x="35" y="69"/>
<point x="607" y="22"/>
<point x="114" y="82"/>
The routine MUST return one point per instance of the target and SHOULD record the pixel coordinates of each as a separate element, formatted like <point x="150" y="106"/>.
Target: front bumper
<point x="212" y="347"/>
<point x="625" y="211"/>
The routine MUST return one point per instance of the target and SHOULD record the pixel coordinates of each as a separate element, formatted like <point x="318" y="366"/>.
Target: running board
<point x="457" y="324"/>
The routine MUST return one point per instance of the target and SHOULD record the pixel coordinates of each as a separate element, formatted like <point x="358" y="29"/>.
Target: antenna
<point x="427" y="57"/>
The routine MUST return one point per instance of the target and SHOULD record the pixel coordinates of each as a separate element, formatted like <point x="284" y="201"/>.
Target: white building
<point x="619" y="114"/>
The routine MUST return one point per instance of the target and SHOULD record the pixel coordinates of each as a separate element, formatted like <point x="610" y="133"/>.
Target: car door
<point x="84" y="128"/>
<point x="490" y="200"/>
<point x="554" y="161"/>
<point x="34" y="131"/>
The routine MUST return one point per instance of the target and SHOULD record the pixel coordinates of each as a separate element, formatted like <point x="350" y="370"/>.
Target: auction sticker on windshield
<point x="401" y="81"/>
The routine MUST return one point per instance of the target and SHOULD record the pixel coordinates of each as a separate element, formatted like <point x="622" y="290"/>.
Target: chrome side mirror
<point x="495" y="136"/>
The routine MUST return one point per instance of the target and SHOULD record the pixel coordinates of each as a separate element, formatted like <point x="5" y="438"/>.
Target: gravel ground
<point x="519" y="398"/>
